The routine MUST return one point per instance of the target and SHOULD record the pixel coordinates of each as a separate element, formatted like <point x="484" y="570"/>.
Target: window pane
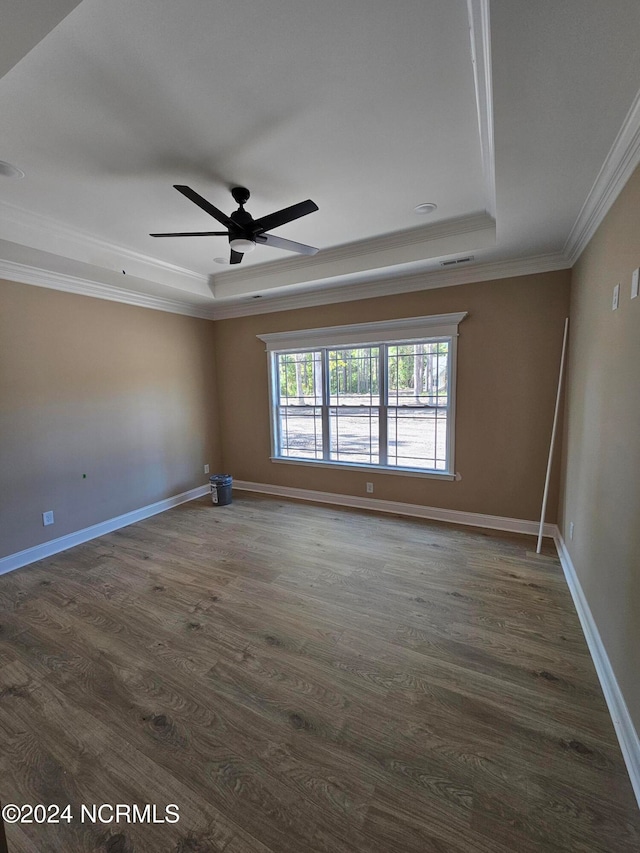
<point x="417" y="438"/>
<point x="338" y="417"/>
<point x="353" y="377"/>
<point x="301" y="432"/>
<point x="300" y="379"/>
<point x="419" y="374"/>
<point x="354" y="434"/>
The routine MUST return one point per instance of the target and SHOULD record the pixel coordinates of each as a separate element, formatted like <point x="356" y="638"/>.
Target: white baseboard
<point x="622" y="722"/>
<point x="454" y="516"/>
<point x="54" y="546"/>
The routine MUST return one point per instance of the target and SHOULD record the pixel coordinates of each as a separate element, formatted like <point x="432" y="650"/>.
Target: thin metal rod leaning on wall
<point x="553" y="436"/>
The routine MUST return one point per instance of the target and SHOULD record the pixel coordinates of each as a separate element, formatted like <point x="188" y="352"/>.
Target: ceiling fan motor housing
<point x="242" y="219"/>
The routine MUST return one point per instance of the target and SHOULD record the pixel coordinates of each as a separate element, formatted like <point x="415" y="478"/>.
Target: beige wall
<point x="122" y="394"/>
<point x="128" y="397"/>
<point x="508" y="358"/>
<point x="601" y="476"/>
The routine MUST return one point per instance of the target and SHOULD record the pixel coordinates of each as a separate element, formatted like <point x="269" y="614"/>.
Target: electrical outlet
<point x="634" y="283"/>
<point x="47" y="518"/>
<point x="571" y="530"/>
<point x="206" y="469"/>
<point x="370" y="488"/>
<point x="616" y="297"/>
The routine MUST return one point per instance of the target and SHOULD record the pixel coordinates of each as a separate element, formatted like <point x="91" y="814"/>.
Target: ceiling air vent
<point x="455" y="262"/>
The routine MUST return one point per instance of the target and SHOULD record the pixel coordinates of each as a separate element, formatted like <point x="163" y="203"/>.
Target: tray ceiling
<point x="501" y="114"/>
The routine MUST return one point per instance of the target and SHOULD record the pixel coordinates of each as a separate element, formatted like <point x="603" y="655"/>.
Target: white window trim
<point x="403" y="330"/>
<point x="362" y="466"/>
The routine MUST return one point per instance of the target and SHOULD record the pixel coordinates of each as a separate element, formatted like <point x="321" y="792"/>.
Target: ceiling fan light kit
<point x="239" y="244"/>
<point x="243" y="230"/>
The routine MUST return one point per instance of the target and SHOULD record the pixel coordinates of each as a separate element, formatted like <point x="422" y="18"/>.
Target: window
<point x="347" y="401"/>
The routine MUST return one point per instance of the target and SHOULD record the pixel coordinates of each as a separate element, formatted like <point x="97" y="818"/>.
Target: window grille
<point x="382" y="405"/>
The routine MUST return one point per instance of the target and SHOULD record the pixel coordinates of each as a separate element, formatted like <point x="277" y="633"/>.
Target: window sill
<point x="361" y="466"/>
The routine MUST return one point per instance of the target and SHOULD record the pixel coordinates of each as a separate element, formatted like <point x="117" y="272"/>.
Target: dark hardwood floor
<point x="303" y="679"/>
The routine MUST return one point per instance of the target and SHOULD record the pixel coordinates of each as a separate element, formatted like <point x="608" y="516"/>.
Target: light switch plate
<point x="616" y="297"/>
<point x="634" y="283"/>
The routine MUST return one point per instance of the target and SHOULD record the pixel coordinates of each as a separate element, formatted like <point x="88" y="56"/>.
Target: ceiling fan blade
<point x="281" y="217"/>
<point x="281" y="243"/>
<point x="193" y="234"/>
<point x="236" y="257"/>
<point x="193" y="196"/>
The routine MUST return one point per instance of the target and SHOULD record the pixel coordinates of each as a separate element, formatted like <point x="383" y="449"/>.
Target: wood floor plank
<point x="304" y="678"/>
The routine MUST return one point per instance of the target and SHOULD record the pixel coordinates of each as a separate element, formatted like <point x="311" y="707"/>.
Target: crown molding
<point x="427" y="280"/>
<point x="414" y="244"/>
<point x="24" y="274"/>
<point x="619" y="165"/>
<point x="480" y="33"/>
<point x="46" y="234"/>
<point x="39" y="277"/>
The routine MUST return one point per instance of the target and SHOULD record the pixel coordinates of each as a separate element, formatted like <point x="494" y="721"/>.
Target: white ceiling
<point x="502" y="114"/>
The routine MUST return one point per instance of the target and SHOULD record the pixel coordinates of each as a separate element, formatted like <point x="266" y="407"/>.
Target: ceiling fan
<point x="244" y="232"/>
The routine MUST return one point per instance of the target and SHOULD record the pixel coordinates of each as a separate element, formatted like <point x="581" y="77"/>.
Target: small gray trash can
<point x="221" y="486"/>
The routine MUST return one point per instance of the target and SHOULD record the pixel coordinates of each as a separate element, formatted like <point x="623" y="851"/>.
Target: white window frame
<point x="431" y="328"/>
